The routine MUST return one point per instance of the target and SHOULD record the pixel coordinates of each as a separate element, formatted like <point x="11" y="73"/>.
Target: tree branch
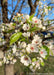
<point x="14" y="11"/>
<point x="52" y="37"/>
<point x="36" y="3"/>
<point x="21" y="6"/>
<point x="30" y="3"/>
<point x="50" y="3"/>
<point x="32" y="7"/>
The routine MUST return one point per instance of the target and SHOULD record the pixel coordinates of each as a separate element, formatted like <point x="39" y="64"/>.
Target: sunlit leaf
<point x="15" y="37"/>
<point x="42" y="63"/>
<point x="34" y="59"/>
<point x="31" y="17"/>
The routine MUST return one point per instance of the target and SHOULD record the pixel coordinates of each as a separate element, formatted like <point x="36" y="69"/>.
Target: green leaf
<point x="15" y="37"/>
<point x="53" y="34"/>
<point x="49" y="7"/>
<point x="42" y="63"/>
<point x="33" y="29"/>
<point x="30" y="18"/>
<point x="23" y="39"/>
<point x="38" y="0"/>
<point x="34" y="59"/>
<point x="14" y="24"/>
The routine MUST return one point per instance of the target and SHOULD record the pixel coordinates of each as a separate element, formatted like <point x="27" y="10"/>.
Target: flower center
<point x="35" y="21"/>
<point x="27" y="27"/>
<point x="26" y="58"/>
<point x="36" y="63"/>
<point x="41" y="52"/>
<point x="36" y="42"/>
<point x="32" y="48"/>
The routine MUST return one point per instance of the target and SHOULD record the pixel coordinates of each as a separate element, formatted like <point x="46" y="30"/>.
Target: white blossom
<point x="46" y="11"/>
<point x="43" y="53"/>
<point x="18" y="14"/>
<point x="35" y="65"/>
<point x="14" y="60"/>
<point x="37" y="41"/>
<point x="40" y="3"/>
<point x="40" y="26"/>
<point x="30" y="42"/>
<point x="33" y="68"/>
<point x="26" y="27"/>
<point x="43" y="27"/>
<point x="31" y="48"/>
<point x="23" y="45"/>
<point x="4" y="59"/>
<point x="7" y="62"/>
<point x="26" y="17"/>
<point x="25" y="60"/>
<point x="26" y="34"/>
<point x="14" y="48"/>
<point x="39" y="58"/>
<point x="34" y="20"/>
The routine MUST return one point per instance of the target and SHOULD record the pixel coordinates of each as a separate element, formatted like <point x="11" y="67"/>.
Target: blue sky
<point x="26" y="10"/>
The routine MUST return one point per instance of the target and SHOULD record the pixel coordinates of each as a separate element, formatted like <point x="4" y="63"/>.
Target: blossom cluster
<point x="25" y="42"/>
<point x="44" y="8"/>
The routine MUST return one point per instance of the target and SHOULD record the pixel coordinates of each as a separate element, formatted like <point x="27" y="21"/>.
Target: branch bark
<point x="4" y="11"/>
<point x="33" y="7"/>
<point x="52" y="37"/>
<point x="50" y="3"/>
<point x="21" y="6"/>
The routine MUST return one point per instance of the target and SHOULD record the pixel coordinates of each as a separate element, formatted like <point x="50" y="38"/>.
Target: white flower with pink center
<point x="43" y="53"/>
<point x="31" y="48"/>
<point x="26" y="27"/>
<point x="25" y="60"/>
<point x="34" y="20"/>
<point x="37" y="40"/>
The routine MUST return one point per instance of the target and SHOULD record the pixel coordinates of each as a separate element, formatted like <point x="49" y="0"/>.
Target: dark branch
<point x="21" y="6"/>
<point x="30" y="3"/>
<point x="36" y="3"/>
<point x="50" y="3"/>
<point x="14" y="11"/>
<point x="52" y="37"/>
<point x="32" y="7"/>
